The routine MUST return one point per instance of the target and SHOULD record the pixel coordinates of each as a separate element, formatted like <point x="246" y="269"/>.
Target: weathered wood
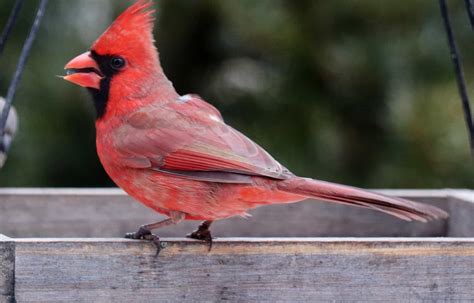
<point x="461" y="210"/>
<point x="246" y="270"/>
<point x="110" y="213"/>
<point x="7" y="269"/>
<point x="291" y="269"/>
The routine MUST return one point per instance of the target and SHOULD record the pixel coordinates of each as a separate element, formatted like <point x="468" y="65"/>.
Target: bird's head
<point x="123" y="62"/>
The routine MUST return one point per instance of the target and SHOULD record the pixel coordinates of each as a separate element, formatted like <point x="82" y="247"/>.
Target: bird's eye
<point x="117" y="63"/>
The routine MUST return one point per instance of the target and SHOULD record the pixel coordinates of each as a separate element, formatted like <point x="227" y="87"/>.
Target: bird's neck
<point x="120" y="97"/>
<point x="160" y="89"/>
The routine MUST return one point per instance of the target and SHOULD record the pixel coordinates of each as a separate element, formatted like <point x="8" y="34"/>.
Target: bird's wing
<point x="189" y="138"/>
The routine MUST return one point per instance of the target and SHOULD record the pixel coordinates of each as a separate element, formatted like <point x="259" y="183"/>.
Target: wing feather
<point x="189" y="138"/>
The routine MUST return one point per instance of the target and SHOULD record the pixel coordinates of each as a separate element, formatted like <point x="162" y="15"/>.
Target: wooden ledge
<point x="252" y="246"/>
<point x="67" y="212"/>
<point x="245" y="269"/>
<point x="74" y="268"/>
<point x="113" y="247"/>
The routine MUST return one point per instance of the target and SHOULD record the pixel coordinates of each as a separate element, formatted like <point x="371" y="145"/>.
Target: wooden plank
<point x="110" y="213"/>
<point x="246" y="270"/>
<point x="7" y="269"/>
<point x="461" y="209"/>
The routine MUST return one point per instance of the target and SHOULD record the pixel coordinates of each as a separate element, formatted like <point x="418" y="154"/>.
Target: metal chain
<point x="10" y="23"/>
<point x="458" y="67"/>
<point x="21" y="65"/>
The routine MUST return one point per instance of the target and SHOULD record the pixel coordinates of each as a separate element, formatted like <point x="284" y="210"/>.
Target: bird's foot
<point x="145" y="234"/>
<point x="139" y="235"/>
<point x="203" y="234"/>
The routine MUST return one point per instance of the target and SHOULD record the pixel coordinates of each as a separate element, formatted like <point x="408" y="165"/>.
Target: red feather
<point x="201" y="141"/>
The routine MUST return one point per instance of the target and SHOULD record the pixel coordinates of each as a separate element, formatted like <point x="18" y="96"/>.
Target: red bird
<point x="176" y="155"/>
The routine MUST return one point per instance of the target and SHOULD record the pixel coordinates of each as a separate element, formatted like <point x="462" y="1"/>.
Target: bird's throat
<point x="101" y="97"/>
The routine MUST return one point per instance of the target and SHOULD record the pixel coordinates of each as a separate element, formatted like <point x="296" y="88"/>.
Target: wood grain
<point x="110" y="213"/>
<point x="246" y="270"/>
<point x="7" y="268"/>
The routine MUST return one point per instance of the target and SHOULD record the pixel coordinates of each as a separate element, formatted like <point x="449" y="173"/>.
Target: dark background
<point x="360" y="92"/>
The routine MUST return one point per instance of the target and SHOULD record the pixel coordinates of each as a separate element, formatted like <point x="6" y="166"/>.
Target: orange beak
<point x="83" y="71"/>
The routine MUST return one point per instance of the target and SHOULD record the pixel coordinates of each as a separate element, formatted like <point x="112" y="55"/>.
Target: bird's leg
<point x="144" y="232"/>
<point x="202" y="233"/>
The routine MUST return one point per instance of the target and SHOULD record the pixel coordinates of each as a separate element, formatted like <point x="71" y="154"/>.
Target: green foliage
<point x="360" y="92"/>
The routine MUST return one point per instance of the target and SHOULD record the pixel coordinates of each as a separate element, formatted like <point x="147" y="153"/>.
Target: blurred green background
<point x="360" y="92"/>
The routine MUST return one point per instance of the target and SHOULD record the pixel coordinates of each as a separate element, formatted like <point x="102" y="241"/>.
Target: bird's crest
<point x="134" y="27"/>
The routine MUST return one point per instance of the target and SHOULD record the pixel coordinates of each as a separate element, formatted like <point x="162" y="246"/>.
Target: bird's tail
<point x="401" y="208"/>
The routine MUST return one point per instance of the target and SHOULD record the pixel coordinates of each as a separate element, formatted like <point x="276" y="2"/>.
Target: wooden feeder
<point x="308" y="251"/>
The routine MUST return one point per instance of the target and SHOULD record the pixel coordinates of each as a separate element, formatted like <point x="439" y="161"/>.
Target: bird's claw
<point x="141" y="234"/>
<point x="203" y="235"/>
<point x="145" y="234"/>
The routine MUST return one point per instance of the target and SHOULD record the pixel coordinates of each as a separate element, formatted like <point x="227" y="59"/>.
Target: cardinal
<point x="176" y="155"/>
